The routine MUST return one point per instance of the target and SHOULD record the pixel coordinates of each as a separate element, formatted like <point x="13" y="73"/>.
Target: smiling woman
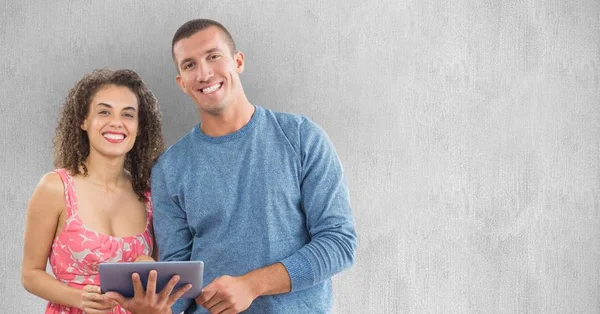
<point x="95" y="207"/>
<point x="112" y="119"/>
<point x="72" y="145"/>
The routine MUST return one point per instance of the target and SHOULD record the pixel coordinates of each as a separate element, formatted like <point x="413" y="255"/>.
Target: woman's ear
<point x="84" y="125"/>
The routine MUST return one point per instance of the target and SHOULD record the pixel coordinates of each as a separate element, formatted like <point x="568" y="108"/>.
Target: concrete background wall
<point x="469" y="132"/>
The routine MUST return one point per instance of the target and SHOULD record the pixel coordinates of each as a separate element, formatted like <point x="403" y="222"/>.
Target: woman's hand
<point x="94" y="302"/>
<point x="150" y="301"/>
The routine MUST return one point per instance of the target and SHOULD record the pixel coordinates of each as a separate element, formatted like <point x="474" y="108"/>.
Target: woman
<point x="95" y="207"/>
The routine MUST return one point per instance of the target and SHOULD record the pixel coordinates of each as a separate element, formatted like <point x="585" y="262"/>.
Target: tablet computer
<point x="117" y="276"/>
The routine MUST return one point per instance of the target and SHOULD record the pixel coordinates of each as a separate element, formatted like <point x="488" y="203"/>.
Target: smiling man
<point x="258" y="195"/>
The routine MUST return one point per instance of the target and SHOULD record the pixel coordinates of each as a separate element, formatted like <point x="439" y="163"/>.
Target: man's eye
<point x="188" y="66"/>
<point x="213" y="57"/>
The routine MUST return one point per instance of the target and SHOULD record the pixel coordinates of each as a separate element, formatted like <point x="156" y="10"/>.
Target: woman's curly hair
<point x="71" y="144"/>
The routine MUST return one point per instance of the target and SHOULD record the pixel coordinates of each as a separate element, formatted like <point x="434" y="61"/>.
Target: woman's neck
<point x="106" y="172"/>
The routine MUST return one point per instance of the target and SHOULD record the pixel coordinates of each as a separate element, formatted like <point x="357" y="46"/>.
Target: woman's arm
<point x="45" y="207"/>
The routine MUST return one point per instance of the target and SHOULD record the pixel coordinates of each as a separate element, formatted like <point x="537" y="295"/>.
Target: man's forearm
<point x="269" y="280"/>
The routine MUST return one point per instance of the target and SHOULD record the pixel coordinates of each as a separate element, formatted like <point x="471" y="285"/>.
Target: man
<point x="259" y="196"/>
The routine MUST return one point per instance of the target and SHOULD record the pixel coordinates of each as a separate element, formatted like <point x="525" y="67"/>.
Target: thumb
<point x="117" y="297"/>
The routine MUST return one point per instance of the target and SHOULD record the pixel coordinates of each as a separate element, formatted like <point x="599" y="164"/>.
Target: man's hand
<point x="149" y="302"/>
<point x="94" y="302"/>
<point x="226" y="295"/>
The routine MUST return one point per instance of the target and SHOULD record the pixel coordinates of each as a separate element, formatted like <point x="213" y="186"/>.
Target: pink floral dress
<point x="78" y="250"/>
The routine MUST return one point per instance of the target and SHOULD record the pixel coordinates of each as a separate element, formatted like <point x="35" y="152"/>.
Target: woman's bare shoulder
<point x="50" y="189"/>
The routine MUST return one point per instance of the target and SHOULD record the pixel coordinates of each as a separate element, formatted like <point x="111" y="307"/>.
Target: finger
<point x="178" y="294"/>
<point x="219" y="307"/>
<point x="90" y="296"/>
<point x="166" y="291"/>
<point x="151" y="285"/>
<point x="106" y="304"/>
<point x="117" y="297"/>
<point x="94" y="311"/>
<point x="138" y="289"/>
<point x="98" y="305"/>
<point x="207" y="293"/>
<point x="92" y="288"/>
<point x="229" y="311"/>
<point x="212" y="301"/>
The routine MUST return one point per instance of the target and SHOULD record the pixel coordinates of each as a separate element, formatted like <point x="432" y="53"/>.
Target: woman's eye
<point x="129" y="115"/>
<point x="104" y="113"/>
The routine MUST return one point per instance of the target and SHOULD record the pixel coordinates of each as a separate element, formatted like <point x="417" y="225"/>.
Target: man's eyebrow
<point x="212" y="50"/>
<point x="209" y="51"/>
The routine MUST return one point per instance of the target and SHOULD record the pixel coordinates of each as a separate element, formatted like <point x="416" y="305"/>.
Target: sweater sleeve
<point x="326" y="204"/>
<point x="171" y="230"/>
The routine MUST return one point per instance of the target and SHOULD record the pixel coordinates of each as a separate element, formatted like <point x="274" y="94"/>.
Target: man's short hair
<point x="192" y="27"/>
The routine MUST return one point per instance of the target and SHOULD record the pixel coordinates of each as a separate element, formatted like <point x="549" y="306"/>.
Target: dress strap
<point x="149" y="208"/>
<point x="149" y="222"/>
<point x="70" y="200"/>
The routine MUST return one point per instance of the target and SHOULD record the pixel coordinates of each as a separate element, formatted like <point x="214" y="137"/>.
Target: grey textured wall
<point x="469" y="131"/>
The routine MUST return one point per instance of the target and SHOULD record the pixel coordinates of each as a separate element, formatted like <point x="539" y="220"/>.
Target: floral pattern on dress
<point x="78" y="250"/>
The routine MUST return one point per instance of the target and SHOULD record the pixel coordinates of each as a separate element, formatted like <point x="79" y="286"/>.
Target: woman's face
<point x="112" y="121"/>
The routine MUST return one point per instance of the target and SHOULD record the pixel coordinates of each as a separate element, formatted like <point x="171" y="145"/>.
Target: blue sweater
<point x="271" y="192"/>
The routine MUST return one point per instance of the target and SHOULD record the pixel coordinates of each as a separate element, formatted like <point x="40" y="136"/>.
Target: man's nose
<point x="204" y="73"/>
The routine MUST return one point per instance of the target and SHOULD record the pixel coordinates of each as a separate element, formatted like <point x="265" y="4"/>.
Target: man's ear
<point x="239" y="62"/>
<point x="180" y="82"/>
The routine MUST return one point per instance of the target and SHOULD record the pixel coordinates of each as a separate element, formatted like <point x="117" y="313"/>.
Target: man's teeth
<point x="211" y="89"/>
<point x="114" y="136"/>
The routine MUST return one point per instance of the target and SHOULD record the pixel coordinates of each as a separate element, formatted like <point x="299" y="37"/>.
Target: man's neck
<point x="227" y="122"/>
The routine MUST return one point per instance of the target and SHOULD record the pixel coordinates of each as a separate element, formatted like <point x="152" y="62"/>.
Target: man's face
<point x="209" y="71"/>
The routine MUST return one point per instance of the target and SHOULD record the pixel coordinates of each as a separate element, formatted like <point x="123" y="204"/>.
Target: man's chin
<point x="212" y="109"/>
